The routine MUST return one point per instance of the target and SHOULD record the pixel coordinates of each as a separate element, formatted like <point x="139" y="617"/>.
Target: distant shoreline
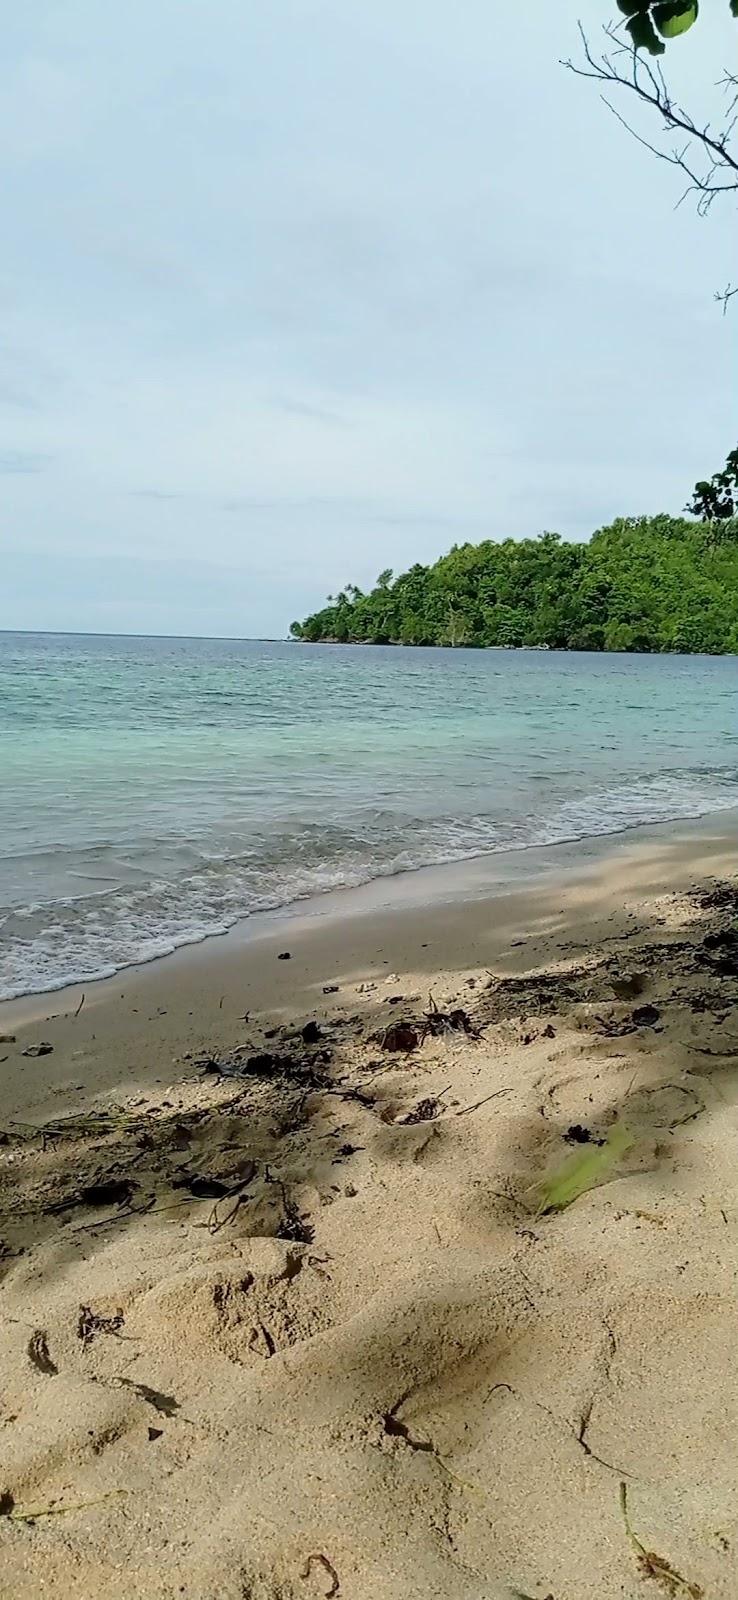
<point x="351" y="644"/>
<point x="507" y="649"/>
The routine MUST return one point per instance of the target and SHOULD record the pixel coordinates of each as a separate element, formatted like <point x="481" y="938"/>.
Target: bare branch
<point x="678" y="158"/>
<point x="625" y="68"/>
<point x="724" y="295"/>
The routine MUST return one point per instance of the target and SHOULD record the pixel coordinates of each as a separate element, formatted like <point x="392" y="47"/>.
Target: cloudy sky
<point x="294" y="291"/>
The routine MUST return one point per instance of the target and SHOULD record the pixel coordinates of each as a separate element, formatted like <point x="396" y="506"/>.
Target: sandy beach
<point x="386" y="1248"/>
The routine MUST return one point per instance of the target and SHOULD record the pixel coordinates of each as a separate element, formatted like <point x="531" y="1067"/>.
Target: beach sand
<point x="285" y="1317"/>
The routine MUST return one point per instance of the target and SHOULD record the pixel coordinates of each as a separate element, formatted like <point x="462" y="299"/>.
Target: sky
<point x="293" y="292"/>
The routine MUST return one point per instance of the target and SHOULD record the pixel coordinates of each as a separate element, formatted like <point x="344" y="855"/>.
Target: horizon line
<point x="98" y="633"/>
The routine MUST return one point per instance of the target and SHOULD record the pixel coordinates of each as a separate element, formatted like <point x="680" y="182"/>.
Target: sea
<point x="156" y="791"/>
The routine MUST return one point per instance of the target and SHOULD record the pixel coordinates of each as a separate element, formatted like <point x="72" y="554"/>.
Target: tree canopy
<point x="717" y="497"/>
<point x="644" y="583"/>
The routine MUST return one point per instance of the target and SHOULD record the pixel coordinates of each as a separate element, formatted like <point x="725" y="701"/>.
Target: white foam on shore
<point x="71" y="940"/>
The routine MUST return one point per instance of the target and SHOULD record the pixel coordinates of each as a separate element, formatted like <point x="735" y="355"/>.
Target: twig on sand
<point x="61" y="1511"/>
<point x="234" y="1192"/>
<point x="214" y="1222"/>
<point x="477" y="1103"/>
<point x="118" y="1216"/>
<point x="79" y="1008"/>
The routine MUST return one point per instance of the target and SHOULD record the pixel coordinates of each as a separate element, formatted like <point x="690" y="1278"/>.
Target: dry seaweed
<point x="38" y="1354"/>
<point x="535" y="994"/>
<point x="657" y="1567"/>
<point x="617" y="1027"/>
<point x="437" y="1023"/>
<point x="295" y="1225"/>
<point x="425" y="1111"/>
<point x="577" y="1134"/>
<point x="721" y="896"/>
<point x="79" y="1124"/>
<point x="269" y="1066"/>
<point x="91" y="1323"/>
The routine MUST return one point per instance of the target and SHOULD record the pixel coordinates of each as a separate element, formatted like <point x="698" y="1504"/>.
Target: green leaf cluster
<point x="642" y="584"/>
<point x="650" y="22"/>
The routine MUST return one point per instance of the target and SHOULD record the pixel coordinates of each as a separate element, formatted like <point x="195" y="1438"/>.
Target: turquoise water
<point x="155" y="791"/>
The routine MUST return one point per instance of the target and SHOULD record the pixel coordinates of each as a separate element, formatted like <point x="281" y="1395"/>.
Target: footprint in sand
<point x="273" y="1300"/>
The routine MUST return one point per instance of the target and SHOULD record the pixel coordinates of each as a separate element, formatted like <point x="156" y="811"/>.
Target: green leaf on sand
<point x="582" y="1171"/>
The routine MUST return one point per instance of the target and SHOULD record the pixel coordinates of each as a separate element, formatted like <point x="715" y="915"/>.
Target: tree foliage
<point x="651" y="22"/>
<point x="644" y="583"/>
<point x="717" y="498"/>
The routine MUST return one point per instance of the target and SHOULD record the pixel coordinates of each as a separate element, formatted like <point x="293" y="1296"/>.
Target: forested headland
<point x="645" y="583"/>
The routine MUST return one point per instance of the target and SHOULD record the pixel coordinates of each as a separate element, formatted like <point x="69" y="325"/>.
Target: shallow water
<point x="154" y="791"/>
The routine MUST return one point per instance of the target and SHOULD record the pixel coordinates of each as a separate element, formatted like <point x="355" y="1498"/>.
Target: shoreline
<point x="434" y="883"/>
<point x="518" y="649"/>
<point x="472" y="916"/>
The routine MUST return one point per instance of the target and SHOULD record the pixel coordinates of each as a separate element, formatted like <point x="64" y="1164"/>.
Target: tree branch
<point x="648" y="85"/>
<point x="724" y="295"/>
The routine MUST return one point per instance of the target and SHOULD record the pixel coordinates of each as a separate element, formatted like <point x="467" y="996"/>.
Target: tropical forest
<point x="652" y="584"/>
